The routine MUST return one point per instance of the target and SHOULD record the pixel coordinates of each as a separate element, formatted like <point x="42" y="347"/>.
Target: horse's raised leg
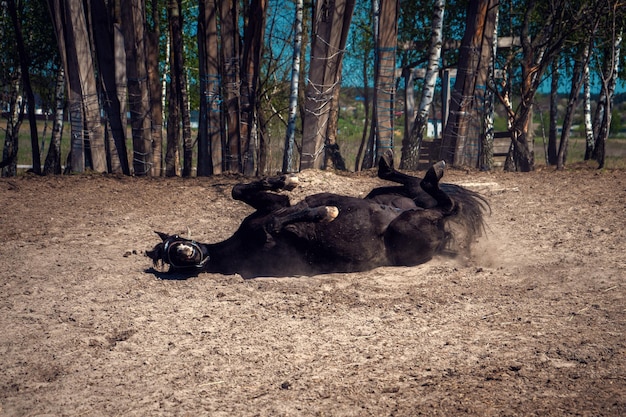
<point x="414" y="187"/>
<point x="387" y="171"/>
<point x="299" y="214"/>
<point x="430" y="184"/>
<point x="259" y="195"/>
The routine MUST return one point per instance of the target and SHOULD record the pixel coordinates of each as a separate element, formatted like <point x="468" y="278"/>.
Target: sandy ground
<point x="533" y="324"/>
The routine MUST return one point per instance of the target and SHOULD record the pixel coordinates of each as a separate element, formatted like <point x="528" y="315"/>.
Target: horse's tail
<point x="467" y="221"/>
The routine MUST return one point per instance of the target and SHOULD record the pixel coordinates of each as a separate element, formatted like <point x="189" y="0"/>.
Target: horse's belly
<point x="354" y="237"/>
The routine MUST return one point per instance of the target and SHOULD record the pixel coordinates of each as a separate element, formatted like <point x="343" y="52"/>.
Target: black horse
<point x="398" y="225"/>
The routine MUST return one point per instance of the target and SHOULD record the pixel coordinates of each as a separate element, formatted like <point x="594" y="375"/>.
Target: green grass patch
<point x="349" y="138"/>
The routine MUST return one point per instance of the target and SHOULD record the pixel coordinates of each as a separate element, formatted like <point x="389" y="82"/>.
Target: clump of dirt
<point x="532" y="324"/>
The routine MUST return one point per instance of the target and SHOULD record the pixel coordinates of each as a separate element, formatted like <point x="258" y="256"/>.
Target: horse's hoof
<point x="291" y="182"/>
<point x="385" y="164"/>
<point x="387" y="156"/>
<point x="331" y="214"/>
<point x="432" y="176"/>
<point x="439" y="168"/>
<point x="386" y="160"/>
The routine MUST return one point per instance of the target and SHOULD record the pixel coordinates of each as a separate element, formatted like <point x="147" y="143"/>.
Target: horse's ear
<point x="163" y="236"/>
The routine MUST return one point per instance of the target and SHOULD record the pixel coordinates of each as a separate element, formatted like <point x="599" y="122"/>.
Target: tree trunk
<point x="364" y="149"/>
<point x="30" y="96"/>
<point x="77" y="142"/>
<point x="14" y="122"/>
<point x="486" y="162"/>
<point x="290" y="137"/>
<point x="455" y="144"/>
<point x="133" y="17"/>
<point x="534" y="62"/>
<point x="333" y="158"/>
<point x="230" y="83"/>
<point x="56" y="15"/>
<point x="90" y="99"/>
<point x="589" y="140"/>
<point x="173" y="126"/>
<point x="369" y="137"/>
<point x="385" y="81"/>
<point x="609" y="80"/>
<point x="216" y="125"/>
<point x="121" y="81"/>
<point x="410" y="116"/>
<point x="576" y="83"/>
<point x="251" y="68"/>
<point x="204" y="167"/>
<point x="415" y="135"/>
<point x="154" y="85"/>
<point x="597" y="119"/>
<point x="178" y="67"/>
<point x="331" y="21"/>
<point x="554" y="112"/>
<point x="210" y="135"/>
<point x="538" y="53"/>
<point x="103" y="40"/>
<point x="52" y="165"/>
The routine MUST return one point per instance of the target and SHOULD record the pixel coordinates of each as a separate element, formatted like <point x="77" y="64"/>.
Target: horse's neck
<point x="224" y="257"/>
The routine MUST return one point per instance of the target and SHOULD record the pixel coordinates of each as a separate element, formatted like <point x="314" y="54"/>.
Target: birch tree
<point x="413" y="140"/>
<point x="52" y="164"/>
<point x="486" y="161"/>
<point x="288" y="155"/>
<point x="472" y="62"/>
<point x="541" y="41"/>
<point x="589" y="139"/>
<point x="577" y="78"/>
<point x="609" y="73"/>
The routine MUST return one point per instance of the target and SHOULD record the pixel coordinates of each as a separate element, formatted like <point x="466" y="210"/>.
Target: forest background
<point x="202" y="87"/>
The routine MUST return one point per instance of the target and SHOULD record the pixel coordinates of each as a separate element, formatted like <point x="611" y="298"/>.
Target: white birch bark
<point x="52" y="164"/>
<point x="488" y="129"/>
<point x="288" y="163"/>
<point x="410" y="151"/>
<point x="434" y="58"/>
<point x="608" y="85"/>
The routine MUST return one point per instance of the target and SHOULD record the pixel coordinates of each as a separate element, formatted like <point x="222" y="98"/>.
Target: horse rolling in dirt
<point x="401" y="225"/>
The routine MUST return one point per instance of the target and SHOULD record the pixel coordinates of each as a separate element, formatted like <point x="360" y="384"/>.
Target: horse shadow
<point x="175" y="275"/>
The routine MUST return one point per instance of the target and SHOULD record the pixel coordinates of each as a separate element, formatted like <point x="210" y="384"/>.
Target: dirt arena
<point x="533" y="324"/>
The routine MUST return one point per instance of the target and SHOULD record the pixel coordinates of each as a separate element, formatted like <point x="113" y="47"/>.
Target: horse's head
<point x="178" y="252"/>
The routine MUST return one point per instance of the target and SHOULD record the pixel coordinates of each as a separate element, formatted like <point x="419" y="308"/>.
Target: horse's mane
<point x="468" y="222"/>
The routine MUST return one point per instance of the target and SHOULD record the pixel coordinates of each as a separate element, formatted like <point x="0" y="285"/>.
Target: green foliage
<point x="39" y="38"/>
<point x="414" y="26"/>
